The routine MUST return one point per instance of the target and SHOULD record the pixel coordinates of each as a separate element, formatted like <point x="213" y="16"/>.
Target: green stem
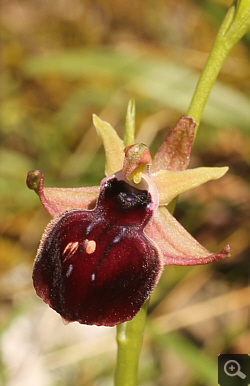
<point x="129" y="340"/>
<point x="234" y="26"/>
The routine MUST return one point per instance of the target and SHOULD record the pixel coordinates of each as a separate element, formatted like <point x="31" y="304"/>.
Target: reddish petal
<point x="177" y="246"/>
<point x="58" y="200"/>
<point x="175" y="151"/>
<point x="98" y="267"/>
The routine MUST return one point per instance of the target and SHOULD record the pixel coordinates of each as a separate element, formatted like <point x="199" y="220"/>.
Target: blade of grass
<point x="167" y="83"/>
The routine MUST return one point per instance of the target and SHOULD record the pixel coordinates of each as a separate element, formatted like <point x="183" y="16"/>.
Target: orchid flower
<point x="103" y="253"/>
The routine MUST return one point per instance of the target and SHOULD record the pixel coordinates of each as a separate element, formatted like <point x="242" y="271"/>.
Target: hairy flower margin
<point x="102" y="255"/>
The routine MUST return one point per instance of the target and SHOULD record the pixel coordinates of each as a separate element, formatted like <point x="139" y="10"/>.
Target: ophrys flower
<point x="103" y="253"/>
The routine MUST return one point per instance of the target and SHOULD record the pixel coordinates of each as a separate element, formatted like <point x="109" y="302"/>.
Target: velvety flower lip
<point x="103" y="253"/>
<point x="97" y="266"/>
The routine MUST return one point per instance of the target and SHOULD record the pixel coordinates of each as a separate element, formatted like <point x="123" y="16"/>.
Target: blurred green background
<point x="61" y="62"/>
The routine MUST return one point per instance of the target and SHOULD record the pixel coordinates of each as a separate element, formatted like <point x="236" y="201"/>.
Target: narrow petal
<point x="170" y="183"/>
<point x="113" y="146"/>
<point x="129" y="135"/>
<point x="175" y="151"/>
<point x="58" y="200"/>
<point x="177" y="246"/>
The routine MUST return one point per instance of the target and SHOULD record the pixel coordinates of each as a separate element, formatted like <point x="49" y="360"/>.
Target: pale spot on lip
<point x="90" y="246"/>
<point x="69" y="250"/>
<point x="118" y="238"/>
<point x="70" y="270"/>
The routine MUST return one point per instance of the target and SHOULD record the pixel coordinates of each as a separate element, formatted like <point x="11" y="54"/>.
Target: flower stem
<point x="233" y="27"/>
<point x="129" y="340"/>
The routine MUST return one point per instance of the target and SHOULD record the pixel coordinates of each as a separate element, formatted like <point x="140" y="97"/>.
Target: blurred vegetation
<point x="62" y="61"/>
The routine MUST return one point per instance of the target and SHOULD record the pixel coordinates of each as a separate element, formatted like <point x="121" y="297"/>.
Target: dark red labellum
<point x="97" y="266"/>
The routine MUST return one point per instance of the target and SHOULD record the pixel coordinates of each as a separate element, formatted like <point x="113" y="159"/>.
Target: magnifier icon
<point x="232" y="368"/>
